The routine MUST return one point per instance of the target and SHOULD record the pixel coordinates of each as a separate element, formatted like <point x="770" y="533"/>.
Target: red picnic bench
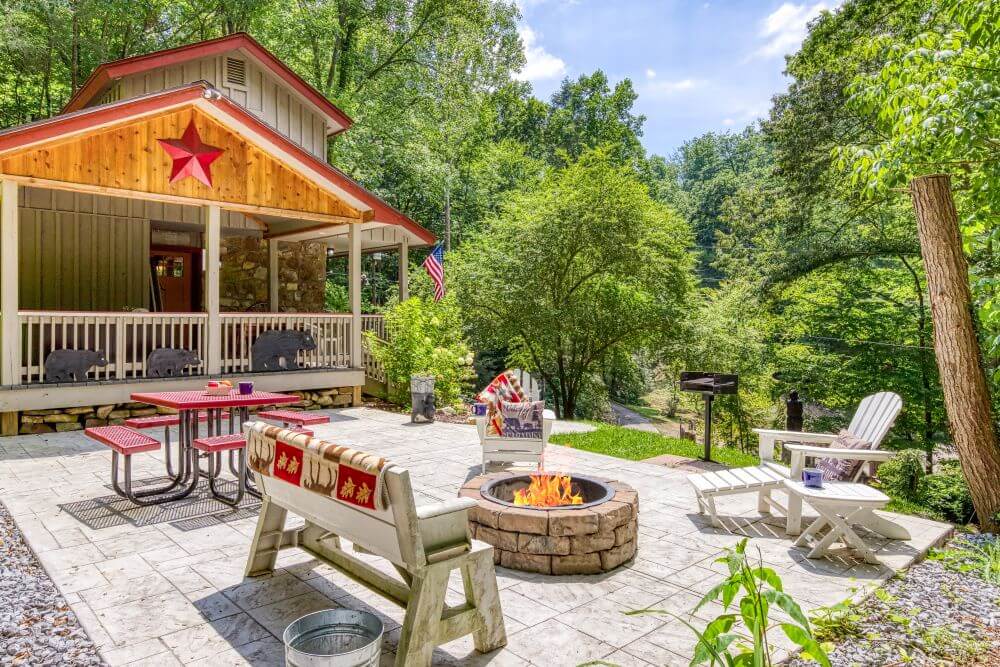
<point x="213" y="446"/>
<point x="298" y="417"/>
<point x="126" y="442"/>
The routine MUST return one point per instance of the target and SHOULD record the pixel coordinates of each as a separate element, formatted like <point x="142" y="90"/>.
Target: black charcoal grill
<point x="709" y="385"/>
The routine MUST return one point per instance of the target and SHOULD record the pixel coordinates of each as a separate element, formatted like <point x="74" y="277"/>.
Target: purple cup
<point x="479" y="409"/>
<point x="813" y="478"/>
<point x="246" y="388"/>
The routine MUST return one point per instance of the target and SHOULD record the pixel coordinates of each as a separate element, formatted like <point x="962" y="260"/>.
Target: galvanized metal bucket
<point x="334" y="638"/>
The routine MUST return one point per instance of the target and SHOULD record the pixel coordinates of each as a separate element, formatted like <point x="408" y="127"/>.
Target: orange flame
<point x="548" y="490"/>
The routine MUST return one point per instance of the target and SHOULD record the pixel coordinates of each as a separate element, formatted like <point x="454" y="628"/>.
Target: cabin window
<point x="236" y="72"/>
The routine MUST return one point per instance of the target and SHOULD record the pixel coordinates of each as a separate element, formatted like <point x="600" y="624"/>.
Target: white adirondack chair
<point x="871" y="422"/>
<point x="517" y="450"/>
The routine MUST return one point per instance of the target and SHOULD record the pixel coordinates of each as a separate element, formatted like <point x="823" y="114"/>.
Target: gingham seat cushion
<point x="293" y="417"/>
<point x="122" y="439"/>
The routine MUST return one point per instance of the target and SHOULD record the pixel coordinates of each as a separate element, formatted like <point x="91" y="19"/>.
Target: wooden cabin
<point x="179" y="207"/>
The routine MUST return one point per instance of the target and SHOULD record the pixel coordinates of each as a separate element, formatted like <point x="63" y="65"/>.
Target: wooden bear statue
<point x="170" y="362"/>
<point x="274" y="347"/>
<point x="72" y="365"/>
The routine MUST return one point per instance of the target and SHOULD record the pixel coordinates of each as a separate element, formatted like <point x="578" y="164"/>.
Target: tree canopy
<point x="569" y="271"/>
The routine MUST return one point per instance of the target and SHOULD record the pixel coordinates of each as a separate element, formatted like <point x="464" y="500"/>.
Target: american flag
<point x="435" y="269"/>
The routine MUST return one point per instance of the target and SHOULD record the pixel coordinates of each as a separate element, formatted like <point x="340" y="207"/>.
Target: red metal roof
<point x="90" y="117"/>
<point x="107" y="72"/>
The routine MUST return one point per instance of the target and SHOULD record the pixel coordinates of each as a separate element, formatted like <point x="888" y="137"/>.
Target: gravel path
<point x="37" y="626"/>
<point x="930" y="615"/>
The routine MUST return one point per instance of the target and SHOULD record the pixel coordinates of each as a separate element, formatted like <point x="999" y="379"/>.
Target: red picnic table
<point x="188" y="404"/>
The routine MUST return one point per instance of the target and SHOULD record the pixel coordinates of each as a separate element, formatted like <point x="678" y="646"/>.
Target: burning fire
<point x="548" y="490"/>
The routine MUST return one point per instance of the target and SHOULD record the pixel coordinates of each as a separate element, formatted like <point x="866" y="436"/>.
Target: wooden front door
<point x="176" y="277"/>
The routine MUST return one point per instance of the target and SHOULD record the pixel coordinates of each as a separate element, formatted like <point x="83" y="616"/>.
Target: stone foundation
<point x="587" y="540"/>
<point x="75" y="419"/>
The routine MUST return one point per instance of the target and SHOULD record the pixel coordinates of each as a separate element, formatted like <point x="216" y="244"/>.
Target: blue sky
<point x="697" y="66"/>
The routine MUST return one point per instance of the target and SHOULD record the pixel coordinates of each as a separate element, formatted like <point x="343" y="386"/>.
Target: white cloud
<point x="667" y="88"/>
<point x="650" y="73"/>
<point x="785" y="27"/>
<point x="539" y="65"/>
<point x="728" y="122"/>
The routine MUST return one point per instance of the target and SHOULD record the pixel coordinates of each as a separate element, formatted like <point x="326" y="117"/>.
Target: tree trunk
<point x="959" y="357"/>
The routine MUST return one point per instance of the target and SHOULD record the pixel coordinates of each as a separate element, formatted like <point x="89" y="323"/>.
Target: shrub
<point x="947" y="494"/>
<point x="901" y="475"/>
<point x="426" y="339"/>
<point x="943" y="495"/>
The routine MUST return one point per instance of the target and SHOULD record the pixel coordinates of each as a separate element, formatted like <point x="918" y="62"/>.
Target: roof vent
<point x="236" y="72"/>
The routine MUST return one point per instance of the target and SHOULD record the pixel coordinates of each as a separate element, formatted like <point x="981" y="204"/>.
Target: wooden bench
<point x="287" y="417"/>
<point x="126" y="442"/>
<point x="213" y="446"/>
<point x="345" y="494"/>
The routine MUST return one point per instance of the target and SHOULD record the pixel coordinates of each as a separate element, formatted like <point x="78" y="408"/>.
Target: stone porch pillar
<point x="212" y="216"/>
<point x="10" y="325"/>
<point x="404" y="269"/>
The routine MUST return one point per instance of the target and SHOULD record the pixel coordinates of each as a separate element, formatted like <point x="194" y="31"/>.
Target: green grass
<point x="633" y="445"/>
<point x="646" y="411"/>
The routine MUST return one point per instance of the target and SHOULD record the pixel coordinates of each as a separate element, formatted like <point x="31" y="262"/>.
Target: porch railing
<point x="373" y="367"/>
<point x="125" y="339"/>
<point x="374" y="323"/>
<point x="331" y="333"/>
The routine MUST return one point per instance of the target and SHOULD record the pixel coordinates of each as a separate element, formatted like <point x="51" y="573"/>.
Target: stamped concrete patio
<point x="164" y="586"/>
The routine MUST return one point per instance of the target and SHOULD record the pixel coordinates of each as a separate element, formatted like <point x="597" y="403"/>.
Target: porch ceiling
<point x="374" y="235"/>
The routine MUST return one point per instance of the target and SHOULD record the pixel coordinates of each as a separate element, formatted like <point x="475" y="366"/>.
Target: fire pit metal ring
<point x="593" y="490"/>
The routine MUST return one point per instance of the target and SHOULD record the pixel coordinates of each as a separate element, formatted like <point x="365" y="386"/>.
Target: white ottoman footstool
<point x="841" y="505"/>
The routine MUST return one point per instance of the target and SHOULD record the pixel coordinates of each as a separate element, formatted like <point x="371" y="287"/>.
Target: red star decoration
<point x="191" y="157"/>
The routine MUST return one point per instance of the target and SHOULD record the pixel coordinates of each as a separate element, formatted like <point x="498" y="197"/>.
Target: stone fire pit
<point x="588" y="539"/>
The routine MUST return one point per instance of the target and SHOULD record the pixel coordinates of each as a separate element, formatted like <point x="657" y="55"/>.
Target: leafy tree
<point x="568" y="271"/>
<point x="710" y="169"/>
<point x="935" y="102"/>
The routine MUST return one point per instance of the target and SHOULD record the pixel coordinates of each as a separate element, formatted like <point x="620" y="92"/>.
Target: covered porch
<point x="167" y="282"/>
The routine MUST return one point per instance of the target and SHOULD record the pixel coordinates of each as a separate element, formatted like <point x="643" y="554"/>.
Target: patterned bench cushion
<point x="334" y="471"/>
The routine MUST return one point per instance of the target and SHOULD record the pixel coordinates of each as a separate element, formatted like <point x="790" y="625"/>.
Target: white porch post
<point x="213" y="241"/>
<point x="272" y="274"/>
<point x="354" y="280"/>
<point x="10" y="325"/>
<point x="404" y="269"/>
